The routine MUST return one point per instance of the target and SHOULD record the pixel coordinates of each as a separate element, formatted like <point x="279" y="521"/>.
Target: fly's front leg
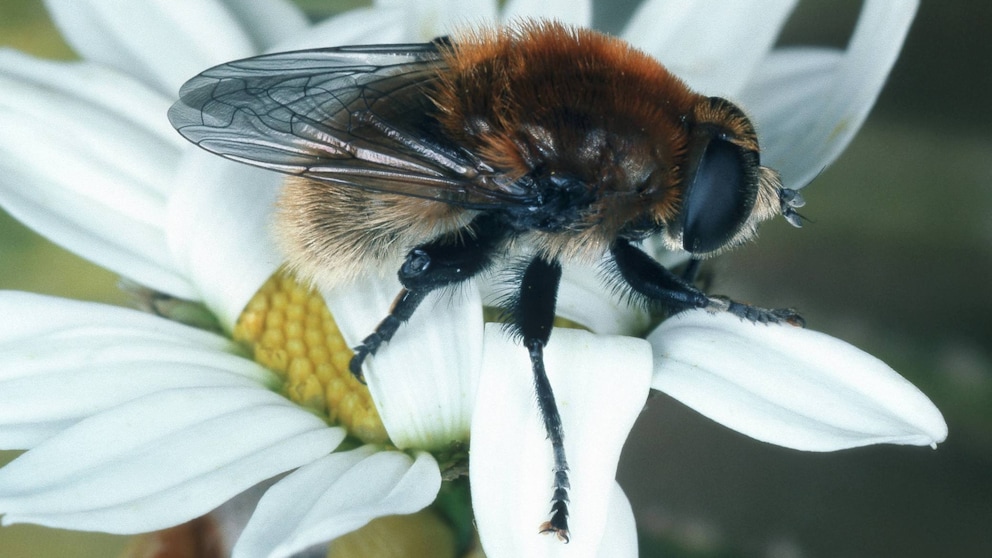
<point x="430" y="267"/>
<point x="756" y="314"/>
<point x="655" y="282"/>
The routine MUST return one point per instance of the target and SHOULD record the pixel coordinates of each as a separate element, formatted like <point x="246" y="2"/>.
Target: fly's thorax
<point x="569" y="117"/>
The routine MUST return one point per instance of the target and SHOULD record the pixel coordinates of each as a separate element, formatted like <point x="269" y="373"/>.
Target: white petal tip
<point x="789" y="386"/>
<point x="938" y="435"/>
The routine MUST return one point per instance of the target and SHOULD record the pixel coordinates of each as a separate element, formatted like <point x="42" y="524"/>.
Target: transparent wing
<point x="358" y="116"/>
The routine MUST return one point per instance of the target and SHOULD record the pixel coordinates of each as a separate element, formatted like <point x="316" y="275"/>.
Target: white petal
<point x="789" y="386"/>
<point x="66" y="360"/>
<point x="620" y="535"/>
<point x="358" y="307"/>
<point x="424" y="380"/>
<point x="572" y="12"/>
<point x="40" y="315"/>
<point x="220" y="230"/>
<point x="600" y="384"/>
<point x="427" y="19"/>
<point x="161" y="460"/>
<point x="354" y="27"/>
<point x="42" y="88"/>
<point x="161" y="42"/>
<point x="585" y="299"/>
<point x="712" y="45"/>
<point x="336" y="495"/>
<point x="807" y="104"/>
<point x="267" y="22"/>
<point x="87" y="157"/>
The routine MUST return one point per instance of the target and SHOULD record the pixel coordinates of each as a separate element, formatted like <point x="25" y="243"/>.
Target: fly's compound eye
<point x="721" y="184"/>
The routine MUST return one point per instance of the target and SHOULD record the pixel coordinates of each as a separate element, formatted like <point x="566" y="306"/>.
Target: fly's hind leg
<point x="429" y="267"/>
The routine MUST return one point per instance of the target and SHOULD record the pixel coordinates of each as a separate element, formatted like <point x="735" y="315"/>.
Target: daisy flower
<point x="135" y="422"/>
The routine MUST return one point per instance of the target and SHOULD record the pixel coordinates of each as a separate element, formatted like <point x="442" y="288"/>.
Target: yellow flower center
<point x="289" y="330"/>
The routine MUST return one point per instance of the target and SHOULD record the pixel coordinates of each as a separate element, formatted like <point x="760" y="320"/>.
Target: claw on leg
<point x="355" y="365"/>
<point x="560" y="532"/>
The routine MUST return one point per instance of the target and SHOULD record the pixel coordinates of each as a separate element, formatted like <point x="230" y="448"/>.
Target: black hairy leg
<point x="402" y="310"/>
<point x="428" y="267"/>
<point x="648" y="278"/>
<point x="756" y="314"/>
<point x="533" y="314"/>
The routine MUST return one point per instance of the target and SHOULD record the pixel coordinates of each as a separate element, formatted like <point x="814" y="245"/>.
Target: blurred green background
<point x="897" y="259"/>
